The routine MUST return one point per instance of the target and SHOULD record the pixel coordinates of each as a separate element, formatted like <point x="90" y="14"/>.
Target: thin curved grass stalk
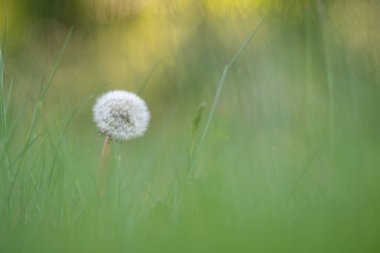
<point x="51" y="76"/>
<point x="329" y="76"/>
<point x="197" y="147"/>
<point x="215" y="101"/>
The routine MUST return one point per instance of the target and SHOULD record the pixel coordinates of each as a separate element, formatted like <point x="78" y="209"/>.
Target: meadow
<point x="264" y="132"/>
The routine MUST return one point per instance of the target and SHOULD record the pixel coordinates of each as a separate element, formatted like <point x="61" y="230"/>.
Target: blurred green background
<point x="290" y="162"/>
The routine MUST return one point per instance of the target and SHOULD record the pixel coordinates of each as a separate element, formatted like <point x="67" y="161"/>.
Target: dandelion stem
<point x="102" y="168"/>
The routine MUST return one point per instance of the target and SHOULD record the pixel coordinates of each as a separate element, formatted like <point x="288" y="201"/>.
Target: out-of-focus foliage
<point x="290" y="162"/>
<point x="124" y="41"/>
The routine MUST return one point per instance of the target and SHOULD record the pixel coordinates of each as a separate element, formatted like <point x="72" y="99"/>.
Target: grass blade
<point x="220" y="85"/>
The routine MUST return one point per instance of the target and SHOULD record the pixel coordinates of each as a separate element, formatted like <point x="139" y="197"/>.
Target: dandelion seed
<point x="121" y="115"/>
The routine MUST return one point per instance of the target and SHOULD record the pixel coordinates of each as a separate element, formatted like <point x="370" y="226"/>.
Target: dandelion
<point x="119" y="115"/>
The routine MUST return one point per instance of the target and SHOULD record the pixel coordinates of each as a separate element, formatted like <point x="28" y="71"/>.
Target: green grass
<point x="284" y="158"/>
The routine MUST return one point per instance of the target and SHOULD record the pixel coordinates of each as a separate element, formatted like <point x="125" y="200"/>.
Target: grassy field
<point x="278" y="152"/>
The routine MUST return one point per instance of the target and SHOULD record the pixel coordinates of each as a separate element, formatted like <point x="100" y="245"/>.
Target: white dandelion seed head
<point x="121" y="115"/>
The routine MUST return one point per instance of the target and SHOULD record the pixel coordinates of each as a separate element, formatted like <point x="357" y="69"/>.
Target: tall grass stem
<point x="215" y="101"/>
